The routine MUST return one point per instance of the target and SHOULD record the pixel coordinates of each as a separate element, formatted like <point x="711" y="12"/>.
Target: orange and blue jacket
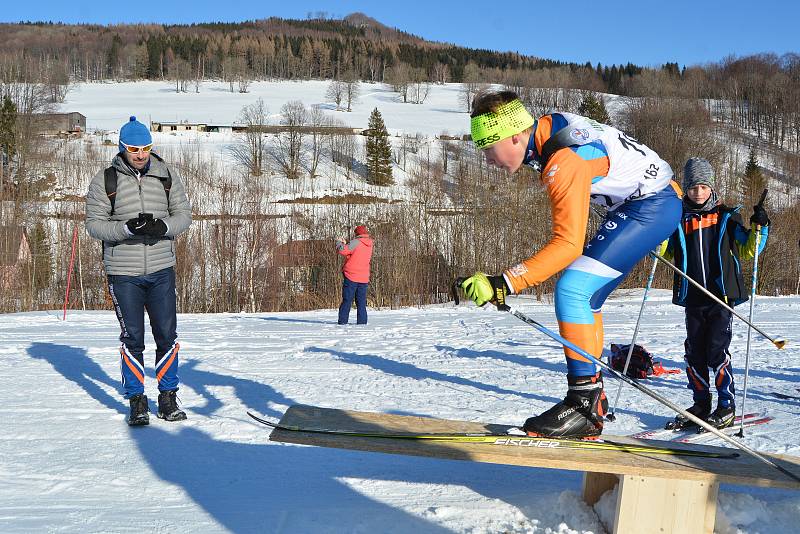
<point x="610" y="169"/>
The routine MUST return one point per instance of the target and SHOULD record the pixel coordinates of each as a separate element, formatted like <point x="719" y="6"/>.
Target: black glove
<point x="759" y="216"/>
<point x="155" y="228"/>
<point x="137" y="226"/>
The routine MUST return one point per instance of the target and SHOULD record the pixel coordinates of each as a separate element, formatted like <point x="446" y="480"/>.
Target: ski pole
<point x="753" y="283"/>
<point x="647" y="391"/>
<point x="777" y="341"/>
<point x="611" y="415"/>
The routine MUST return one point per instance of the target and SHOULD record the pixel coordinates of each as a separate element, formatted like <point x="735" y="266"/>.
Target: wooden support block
<point x="596" y="484"/>
<point x="651" y="505"/>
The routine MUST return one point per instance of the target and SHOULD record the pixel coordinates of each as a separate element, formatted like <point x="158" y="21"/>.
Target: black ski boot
<point x="579" y="415"/>
<point x="722" y="417"/>
<point x="168" y="406"/>
<point x="701" y="409"/>
<point x="140" y="411"/>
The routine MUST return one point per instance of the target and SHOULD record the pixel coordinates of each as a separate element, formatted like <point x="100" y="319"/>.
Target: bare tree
<point x="335" y="93"/>
<point x="352" y="89"/>
<point x="317" y="120"/>
<point x="419" y="87"/>
<point x="289" y="150"/>
<point x="180" y="71"/>
<point x="233" y="71"/>
<point x="471" y="85"/>
<point x="57" y="81"/>
<point x="441" y="73"/>
<point x="343" y="149"/>
<point x="250" y="151"/>
<point x="399" y="78"/>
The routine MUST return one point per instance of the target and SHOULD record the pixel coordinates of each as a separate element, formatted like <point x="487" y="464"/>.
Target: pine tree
<point x="379" y="151"/>
<point x="8" y="120"/>
<point x="594" y="109"/>
<point x="754" y="180"/>
<point x="41" y="271"/>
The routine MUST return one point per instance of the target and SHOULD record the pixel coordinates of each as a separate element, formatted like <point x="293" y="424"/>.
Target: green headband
<point x="510" y="118"/>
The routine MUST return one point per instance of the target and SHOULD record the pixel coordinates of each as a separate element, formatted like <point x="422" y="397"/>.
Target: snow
<point x="71" y="464"/>
<point x="108" y="105"/>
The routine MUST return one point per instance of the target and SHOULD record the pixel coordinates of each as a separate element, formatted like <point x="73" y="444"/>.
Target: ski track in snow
<point x="71" y="464"/>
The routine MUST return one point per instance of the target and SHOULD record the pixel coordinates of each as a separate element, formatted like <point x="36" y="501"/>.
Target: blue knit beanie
<point x="134" y="133"/>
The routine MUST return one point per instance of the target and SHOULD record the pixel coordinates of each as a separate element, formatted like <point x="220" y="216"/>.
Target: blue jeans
<point x="351" y="290"/>
<point x="132" y="295"/>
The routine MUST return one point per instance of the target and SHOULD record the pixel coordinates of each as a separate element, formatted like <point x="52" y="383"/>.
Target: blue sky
<point x="646" y="32"/>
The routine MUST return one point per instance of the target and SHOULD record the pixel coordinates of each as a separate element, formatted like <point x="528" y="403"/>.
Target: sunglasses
<point x="137" y="149"/>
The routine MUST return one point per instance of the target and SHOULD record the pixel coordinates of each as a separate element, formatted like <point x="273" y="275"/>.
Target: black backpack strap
<point x="111" y="186"/>
<point x="561" y="139"/>
<point x="167" y="182"/>
<point x="110" y="175"/>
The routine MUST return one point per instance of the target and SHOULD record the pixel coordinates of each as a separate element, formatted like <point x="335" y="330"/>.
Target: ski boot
<point x="722" y="417"/>
<point x="579" y="415"/>
<point x="168" y="406"/>
<point x="700" y="409"/>
<point x="140" y="412"/>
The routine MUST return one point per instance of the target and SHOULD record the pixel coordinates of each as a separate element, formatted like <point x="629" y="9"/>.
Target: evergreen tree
<point x="41" y="261"/>
<point x="113" y="56"/>
<point x="614" y="80"/>
<point x="8" y="122"/>
<point x="594" y="108"/>
<point x="754" y="180"/>
<point x="379" y="151"/>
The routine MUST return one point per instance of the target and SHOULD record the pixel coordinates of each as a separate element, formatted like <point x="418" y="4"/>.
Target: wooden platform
<point x="685" y="487"/>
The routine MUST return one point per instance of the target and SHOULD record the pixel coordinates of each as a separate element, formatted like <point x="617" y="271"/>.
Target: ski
<point x="688" y="434"/>
<point x="784" y="396"/>
<point x="702" y="437"/>
<point x="509" y="440"/>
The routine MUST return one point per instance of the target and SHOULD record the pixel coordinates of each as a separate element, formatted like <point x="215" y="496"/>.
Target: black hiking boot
<point x="579" y="415"/>
<point x="722" y="417"/>
<point x="140" y="411"/>
<point x="701" y="409"/>
<point x="168" y="407"/>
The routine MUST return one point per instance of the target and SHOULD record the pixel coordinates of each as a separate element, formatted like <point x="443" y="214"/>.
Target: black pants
<point x="708" y="336"/>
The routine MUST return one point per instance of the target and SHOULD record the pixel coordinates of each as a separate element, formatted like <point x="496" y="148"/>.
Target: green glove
<point x="482" y="289"/>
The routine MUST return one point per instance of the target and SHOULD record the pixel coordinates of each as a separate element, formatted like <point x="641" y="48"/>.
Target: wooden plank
<point x="744" y="470"/>
<point x="651" y="505"/>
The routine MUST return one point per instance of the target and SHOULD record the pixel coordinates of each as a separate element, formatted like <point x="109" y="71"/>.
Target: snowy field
<point x="108" y="105"/>
<point x="71" y="464"/>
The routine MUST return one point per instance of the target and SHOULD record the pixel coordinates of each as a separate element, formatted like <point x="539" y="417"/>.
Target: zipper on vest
<point x="141" y="209"/>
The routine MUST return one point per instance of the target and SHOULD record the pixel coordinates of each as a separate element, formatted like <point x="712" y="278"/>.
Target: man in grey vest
<point x="137" y="207"/>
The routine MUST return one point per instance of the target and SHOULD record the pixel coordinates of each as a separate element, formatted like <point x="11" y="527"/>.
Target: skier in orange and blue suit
<point x="580" y="161"/>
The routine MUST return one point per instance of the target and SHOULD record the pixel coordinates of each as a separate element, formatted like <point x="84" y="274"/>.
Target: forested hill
<point x="356" y="46"/>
